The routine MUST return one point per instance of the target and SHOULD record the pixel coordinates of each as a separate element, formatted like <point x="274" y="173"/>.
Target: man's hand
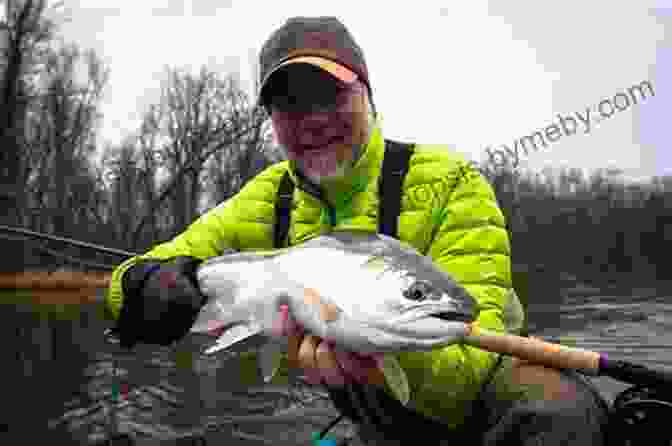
<point x="321" y="362"/>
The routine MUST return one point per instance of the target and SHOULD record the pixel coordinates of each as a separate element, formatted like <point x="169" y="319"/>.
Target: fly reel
<point x="641" y="415"/>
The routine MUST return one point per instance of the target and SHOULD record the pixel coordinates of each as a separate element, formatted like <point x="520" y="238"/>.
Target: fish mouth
<point x="436" y="314"/>
<point x="423" y="333"/>
<point x="431" y="327"/>
<point x="454" y="316"/>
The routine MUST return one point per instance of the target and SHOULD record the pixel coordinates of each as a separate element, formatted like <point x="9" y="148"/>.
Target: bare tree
<point x="61" y="127"/>
<point x="23" y="36"/>
<point x="189" y="118"/>
<point x="148" y="142"/>
<point x="229" y="171"/>
<point x="199" y="117"/>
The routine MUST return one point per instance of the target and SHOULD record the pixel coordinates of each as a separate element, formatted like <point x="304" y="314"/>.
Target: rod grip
<point x="534" y="350"/>
<point x="59" y="280"/>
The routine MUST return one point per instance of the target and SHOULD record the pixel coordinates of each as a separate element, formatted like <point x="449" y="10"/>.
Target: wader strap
<point x="395" y="165"/>
<point x="283" y="208"/>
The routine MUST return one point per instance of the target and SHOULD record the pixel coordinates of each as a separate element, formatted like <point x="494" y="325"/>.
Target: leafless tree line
<point x="204" y="139"/>
<point x="195" y="147"/>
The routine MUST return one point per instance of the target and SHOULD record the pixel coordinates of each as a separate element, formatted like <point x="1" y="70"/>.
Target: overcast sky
<point x="472" y="75"/>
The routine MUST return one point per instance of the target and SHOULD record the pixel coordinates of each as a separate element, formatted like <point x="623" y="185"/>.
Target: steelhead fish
<point x="366" y="293"/>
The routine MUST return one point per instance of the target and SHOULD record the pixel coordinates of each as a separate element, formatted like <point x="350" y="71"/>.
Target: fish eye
<point x="418" y="291"/>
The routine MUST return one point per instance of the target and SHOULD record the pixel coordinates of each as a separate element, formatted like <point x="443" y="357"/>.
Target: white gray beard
<point x="342" y="171"/>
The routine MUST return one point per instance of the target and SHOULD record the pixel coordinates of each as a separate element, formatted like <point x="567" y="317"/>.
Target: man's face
<point x="320" y="120"/>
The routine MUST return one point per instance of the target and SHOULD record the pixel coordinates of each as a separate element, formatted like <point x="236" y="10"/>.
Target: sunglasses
<point x="309" y="93"/>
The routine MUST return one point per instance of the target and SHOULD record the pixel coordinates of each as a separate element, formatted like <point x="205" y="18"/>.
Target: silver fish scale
<point x="364" y="275"/>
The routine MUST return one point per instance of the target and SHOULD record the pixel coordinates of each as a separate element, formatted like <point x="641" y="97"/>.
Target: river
<point x="166" y="400"/>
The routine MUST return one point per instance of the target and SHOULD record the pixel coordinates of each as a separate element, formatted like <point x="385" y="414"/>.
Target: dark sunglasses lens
<point x="307" y="101"/>
<point x="303" y="94"/>
<point x="293" y="103"/>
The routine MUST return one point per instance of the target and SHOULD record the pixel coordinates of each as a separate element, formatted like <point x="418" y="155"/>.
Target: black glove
<point x="161" y="302"/>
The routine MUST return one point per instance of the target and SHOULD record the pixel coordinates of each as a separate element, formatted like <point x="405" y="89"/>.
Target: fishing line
<point x="69" y="241"/>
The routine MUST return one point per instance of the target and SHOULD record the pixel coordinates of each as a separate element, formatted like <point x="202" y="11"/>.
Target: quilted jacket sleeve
<point x="244" y="219"/>
<point x="472" y="245"/>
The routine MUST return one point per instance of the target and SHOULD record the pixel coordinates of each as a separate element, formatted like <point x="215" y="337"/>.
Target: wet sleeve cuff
<point x="131" y="314"/>
<point x="135" y="277"/>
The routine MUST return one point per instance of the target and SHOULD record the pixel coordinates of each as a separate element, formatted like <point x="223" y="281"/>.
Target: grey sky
<point x="475" y="75"/>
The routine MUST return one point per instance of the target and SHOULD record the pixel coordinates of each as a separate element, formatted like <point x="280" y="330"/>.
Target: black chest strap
<point x="283" y="209"/>
<point x="395" y="166"/>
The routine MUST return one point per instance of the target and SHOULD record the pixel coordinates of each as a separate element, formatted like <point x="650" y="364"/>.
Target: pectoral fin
<point x="269" y="359"/>
<point x="396" y="378"/>
<point x="240" y="337"/>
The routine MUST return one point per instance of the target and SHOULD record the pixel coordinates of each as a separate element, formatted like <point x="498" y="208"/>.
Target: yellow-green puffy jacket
<point x="448" y="211"/>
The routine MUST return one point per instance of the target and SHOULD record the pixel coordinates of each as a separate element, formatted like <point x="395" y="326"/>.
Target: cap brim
<point x="335" y="69"/>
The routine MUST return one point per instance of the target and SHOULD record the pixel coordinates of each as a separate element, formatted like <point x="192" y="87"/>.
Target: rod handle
<point x="59" y="280"/>
<point x="535" y="350"/>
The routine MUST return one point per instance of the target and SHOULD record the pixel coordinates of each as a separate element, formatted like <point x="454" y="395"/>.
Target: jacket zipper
<point x="314" y="190"/>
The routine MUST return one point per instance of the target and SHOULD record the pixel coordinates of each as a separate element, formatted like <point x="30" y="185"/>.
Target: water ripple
<point x="165" y="402"/>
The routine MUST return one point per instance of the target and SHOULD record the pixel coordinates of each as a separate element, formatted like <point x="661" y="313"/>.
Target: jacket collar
<point x="337" y="193"/>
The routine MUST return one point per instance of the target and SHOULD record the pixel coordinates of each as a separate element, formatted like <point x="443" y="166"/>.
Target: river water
<point x="168" y="397"/>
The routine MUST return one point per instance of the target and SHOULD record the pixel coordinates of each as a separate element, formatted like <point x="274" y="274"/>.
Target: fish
<point x="366" y="293"/>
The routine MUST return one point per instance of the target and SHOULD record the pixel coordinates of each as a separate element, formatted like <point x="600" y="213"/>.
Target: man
<point x="315" y="86"/>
